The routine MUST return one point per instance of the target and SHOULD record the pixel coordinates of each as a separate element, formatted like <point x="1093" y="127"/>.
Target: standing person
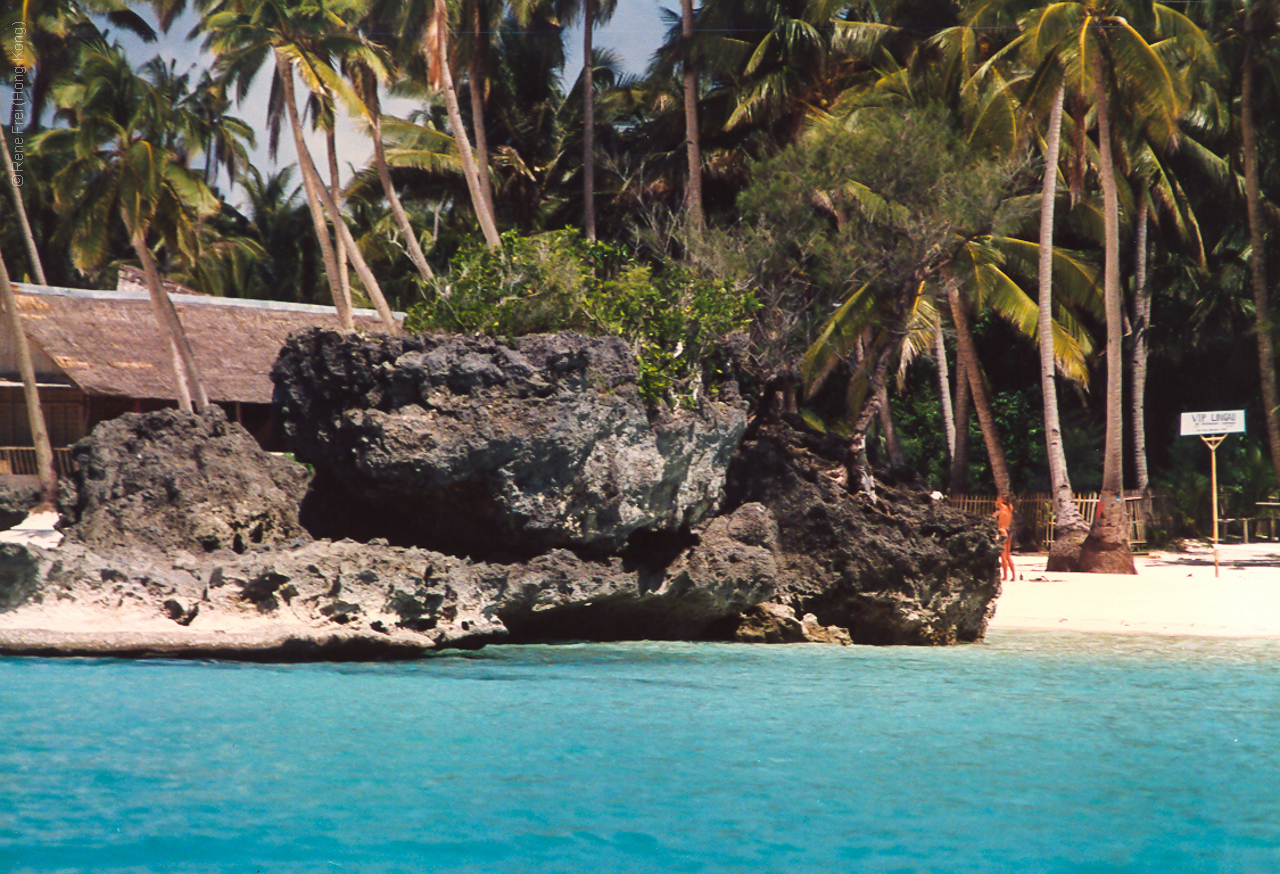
<point x="1004" y="522"/>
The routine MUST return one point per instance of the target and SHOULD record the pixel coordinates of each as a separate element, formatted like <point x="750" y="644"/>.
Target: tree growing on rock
<point x="866" y="215"/>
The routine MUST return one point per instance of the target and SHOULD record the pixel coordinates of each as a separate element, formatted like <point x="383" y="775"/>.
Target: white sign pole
<point x="1213" y="428"/>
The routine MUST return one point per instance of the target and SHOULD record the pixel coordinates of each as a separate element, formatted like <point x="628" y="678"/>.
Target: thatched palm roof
<point x="108" y="343"/>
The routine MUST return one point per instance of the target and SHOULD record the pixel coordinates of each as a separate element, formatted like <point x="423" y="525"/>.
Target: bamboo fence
<point x="1036" y="511"/>
<point x="21" y="461"/>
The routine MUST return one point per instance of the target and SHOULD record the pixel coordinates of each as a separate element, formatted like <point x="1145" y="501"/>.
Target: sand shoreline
<point x="1174" y="593"/>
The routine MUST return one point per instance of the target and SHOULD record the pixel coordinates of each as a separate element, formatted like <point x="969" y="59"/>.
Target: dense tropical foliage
<point x="886" y="217"/>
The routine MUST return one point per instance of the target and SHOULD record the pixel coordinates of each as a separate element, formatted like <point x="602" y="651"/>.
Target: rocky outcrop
<point x="900" y="569"/>
<point x="171" y="481"/>
<point x="327" y="600"/>
<point x="777" y="623"/>
<point x="497" y="493"/>
<point x="495" y="450"/>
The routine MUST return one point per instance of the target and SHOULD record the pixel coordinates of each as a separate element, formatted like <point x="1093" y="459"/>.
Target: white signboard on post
<point x="1219" y="422"/>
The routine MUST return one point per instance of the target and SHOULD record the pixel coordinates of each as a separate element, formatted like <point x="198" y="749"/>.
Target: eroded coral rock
<point x="903" y="569"/>
<point x="472" y="446"/>
<point x="174" y="481"/>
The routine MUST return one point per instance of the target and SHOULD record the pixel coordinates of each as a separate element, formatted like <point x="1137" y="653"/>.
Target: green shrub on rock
<point x="674" y="316"/>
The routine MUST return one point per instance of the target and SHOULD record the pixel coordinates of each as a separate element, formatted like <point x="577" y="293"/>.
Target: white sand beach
<point x="1173" y="593"/>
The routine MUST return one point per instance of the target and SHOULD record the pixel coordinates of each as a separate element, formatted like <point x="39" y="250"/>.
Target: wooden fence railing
<point x="21" y="460"/>
<point x="1037" y="511"/>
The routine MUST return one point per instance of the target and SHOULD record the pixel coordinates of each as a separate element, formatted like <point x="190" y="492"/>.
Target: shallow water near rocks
<point x="1033" y="752"/>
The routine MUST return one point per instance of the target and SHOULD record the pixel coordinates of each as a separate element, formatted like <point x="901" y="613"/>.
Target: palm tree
<point x="1106" y="62"/>
<point x="54" y="33"/>
<point x="1070" y="529"/>
<point x="366" y="83"/>
<point x="11" y="174"/>
<point x="122" y="163"/>
<point x="304" y="38"/>
<point x="591" y="12"/>
<point x="693" y="193"/>
<point x="278" y="221"/>
<point x="1260" y="30"/>
<point x="35" y="415"/>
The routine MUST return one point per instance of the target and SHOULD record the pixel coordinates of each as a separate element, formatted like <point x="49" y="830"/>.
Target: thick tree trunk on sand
<point x="1070" y="528"/>
<point x="1106" y="549"/>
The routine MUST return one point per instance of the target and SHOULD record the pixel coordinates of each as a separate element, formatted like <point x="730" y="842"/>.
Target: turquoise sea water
<point x="1034" y="752"/>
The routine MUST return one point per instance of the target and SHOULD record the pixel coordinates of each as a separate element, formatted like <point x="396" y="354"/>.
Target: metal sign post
<point x="1213" y="428"/>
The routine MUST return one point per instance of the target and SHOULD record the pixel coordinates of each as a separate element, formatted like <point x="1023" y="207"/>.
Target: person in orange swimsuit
<point x="1004" y="521"/>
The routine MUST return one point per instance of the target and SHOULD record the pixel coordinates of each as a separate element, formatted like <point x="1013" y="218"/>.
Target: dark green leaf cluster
<point x="676" y="317"/>
<point x="886" y="197"/>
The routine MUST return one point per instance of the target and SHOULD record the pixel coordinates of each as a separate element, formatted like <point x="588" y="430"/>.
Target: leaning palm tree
<point x="416" y="33"/>
<point x="366" y="87"/>
<point x="31" y="393"/>
<point x="305" y="39"/>
<point x="121" y="165"/>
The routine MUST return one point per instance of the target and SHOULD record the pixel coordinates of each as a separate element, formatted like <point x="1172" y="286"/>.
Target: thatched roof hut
<point x="100" y="353"/>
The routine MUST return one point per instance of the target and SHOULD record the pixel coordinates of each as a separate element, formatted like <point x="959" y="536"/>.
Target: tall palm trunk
<point x="1258" y="264"/>
<point x="344" y="234"/>
<point x="186" y="372"/>
<point x="37" y="268"/>
<point x="335" y="191"/>
<point x="892" y="445"/>
<point x="35" y="415"/>
<point x="588" y="123"/>
<point x="310" y="184"/>
<point x="1106" y="549"/>
<point x="944" y="389"/>
<point x="475" y="83"/>
<point x="488" y="224"/>
<point x="1070" y="527"/>
<point x="693" y="193"/>
<point x="1138" y="352"/>
<point x="982" y="405"/>
<point x="958" y="482"/>
<point x="416" y="254"/>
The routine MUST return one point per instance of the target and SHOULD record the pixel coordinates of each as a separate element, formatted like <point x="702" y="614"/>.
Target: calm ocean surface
<point x="1033" y="752"/>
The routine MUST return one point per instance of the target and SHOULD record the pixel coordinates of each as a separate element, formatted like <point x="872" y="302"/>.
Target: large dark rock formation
<point x="172" y="481"/>
<point x="901" y="569"/>
<point x="517" y="493"/>
<point x="497" y="451"/>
